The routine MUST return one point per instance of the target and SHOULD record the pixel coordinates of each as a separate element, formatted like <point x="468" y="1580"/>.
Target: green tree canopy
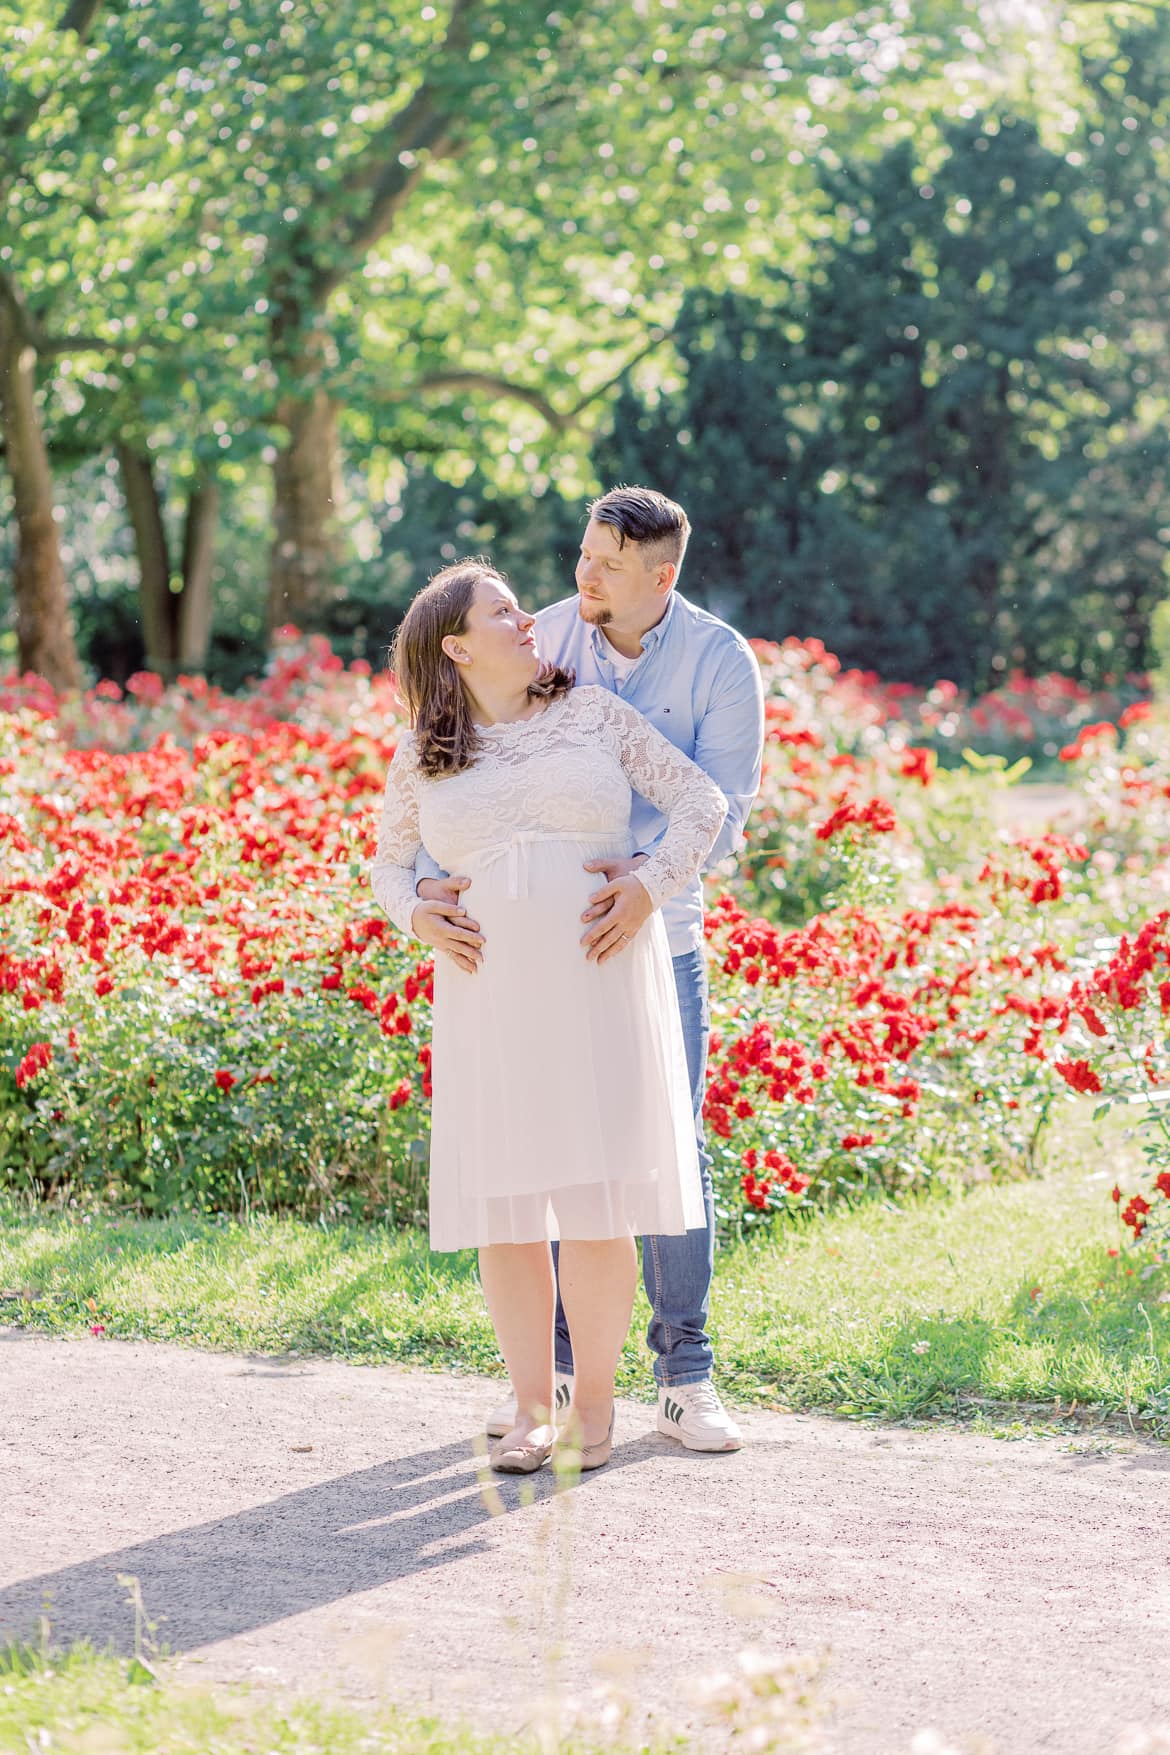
<point x="941" y="447"/>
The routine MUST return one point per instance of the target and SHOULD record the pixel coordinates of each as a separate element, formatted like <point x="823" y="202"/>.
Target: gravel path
<point x="1030" y="808"/>
<point x="319" y="1525"/>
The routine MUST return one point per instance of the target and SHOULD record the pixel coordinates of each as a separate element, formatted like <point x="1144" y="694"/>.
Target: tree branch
<point x="496" y="384"/>
<point x="424" y="130"/>
<point x="489" y="381"/>
<point x="425" y="137"/>
<point x="79" y="16"/>
<point x="34" y="335"/>
<point x="657" y="337"/>
<point x="52" y="346"/>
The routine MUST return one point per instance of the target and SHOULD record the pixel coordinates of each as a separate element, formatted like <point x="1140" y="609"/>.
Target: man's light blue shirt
<point x="698" y="682"/>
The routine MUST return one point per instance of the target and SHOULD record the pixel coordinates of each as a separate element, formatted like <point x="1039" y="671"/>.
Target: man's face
<point x="613" y="582"/>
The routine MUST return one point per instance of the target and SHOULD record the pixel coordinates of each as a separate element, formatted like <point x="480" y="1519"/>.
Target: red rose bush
<point x="201" y="1007"/>
<point x="199" y="1004"/>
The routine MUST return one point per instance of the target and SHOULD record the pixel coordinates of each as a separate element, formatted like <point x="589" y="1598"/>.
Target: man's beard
<point x="601" y="618"/>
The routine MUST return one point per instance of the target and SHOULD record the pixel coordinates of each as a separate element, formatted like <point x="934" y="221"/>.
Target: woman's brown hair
<point x="446" y="740"/>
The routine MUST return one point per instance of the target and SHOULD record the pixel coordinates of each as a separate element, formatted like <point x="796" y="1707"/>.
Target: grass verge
<point x="1006" y="1295"/>
<point x="81" y="1703"/>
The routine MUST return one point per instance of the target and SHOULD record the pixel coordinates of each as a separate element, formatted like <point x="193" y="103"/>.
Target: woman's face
<point x="497" y="644"/>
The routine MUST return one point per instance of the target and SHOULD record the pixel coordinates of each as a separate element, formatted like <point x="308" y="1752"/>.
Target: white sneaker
<point x="502" y="1419"/>
<point x="693" y="1413"/>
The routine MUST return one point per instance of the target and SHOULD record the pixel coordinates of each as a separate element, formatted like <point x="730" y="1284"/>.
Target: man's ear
<point x="667" y="574"/>
<point x="455" y="652"/>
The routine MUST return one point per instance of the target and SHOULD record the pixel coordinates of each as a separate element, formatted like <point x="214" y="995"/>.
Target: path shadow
<point x="235" y="1574"/>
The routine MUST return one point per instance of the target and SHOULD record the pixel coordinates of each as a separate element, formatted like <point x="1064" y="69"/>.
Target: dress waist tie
<point x="515" y="851"/>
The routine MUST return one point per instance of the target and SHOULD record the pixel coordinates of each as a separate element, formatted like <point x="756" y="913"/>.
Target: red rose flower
<point x="1080" y="1075"/>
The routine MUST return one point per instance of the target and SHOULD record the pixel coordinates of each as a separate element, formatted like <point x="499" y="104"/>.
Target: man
<point x="697" y="681"/>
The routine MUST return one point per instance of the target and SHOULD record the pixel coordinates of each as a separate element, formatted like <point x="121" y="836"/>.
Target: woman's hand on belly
<point x="624" y="905"/>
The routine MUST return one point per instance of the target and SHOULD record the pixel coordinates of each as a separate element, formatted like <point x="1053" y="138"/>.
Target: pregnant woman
<point x="561" y="1103"/>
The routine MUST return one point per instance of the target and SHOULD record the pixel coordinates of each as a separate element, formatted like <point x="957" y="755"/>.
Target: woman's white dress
<point x="561" y="1101"/>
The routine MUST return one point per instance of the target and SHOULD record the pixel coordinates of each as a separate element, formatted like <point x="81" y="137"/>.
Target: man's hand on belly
<point x="624" y="905"/>
<point x="439" y="920"/>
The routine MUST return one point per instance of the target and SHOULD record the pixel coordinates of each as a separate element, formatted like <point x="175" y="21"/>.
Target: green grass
<point x="1006" y="1295"/>
<point x="81" y="1703"/>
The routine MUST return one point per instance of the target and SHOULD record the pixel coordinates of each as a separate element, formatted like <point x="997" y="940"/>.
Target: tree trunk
<point x="44" y="626"/>
<point x="991" y="434"/>
<point x="79" y="16"/>
<point x="306" y="495"/>
<point x="158" y="605"/>
<point x="43" y="622"/>
<point x="176" y="613"/>
<point x="194" y="633"/>
<point x="377" y="184"/>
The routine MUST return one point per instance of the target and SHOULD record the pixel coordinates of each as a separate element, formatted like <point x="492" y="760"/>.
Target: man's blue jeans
<point x="677" y="1270"/>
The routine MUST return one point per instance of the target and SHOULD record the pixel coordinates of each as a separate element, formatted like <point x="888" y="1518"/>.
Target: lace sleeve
<point x="691" y="802"/>
<point x="392" y="870"/>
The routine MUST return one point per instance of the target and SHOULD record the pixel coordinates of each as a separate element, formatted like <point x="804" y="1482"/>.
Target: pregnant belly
<point x="532" y="889"/>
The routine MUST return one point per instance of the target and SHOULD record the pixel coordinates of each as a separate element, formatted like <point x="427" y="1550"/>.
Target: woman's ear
<point x="455" y="652"/>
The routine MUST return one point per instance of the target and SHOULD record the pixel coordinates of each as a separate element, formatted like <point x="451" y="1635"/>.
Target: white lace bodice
<point x="569" y="770"/>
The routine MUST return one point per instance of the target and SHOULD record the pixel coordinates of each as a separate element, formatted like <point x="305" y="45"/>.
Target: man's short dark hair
<point x="659" y="526"/>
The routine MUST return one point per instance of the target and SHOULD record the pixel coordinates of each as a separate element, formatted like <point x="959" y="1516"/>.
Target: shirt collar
<point x="650" y="639"/>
